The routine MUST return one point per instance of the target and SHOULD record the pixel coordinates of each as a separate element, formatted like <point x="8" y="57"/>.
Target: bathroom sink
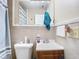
<point x="51" y="45"/>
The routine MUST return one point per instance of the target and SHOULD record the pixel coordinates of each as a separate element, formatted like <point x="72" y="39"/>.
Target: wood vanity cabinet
<point x="56" y="54"/>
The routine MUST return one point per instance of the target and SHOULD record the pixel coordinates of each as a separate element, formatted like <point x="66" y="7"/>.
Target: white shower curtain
<point x="2" y="27"/>
<point x="5" y="42"/>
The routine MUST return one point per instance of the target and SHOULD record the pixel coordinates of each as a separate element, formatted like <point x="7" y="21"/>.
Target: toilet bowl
<point x="23" y="51"/>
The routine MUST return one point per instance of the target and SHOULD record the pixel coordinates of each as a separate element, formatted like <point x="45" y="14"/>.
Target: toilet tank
<point x="23" y="51"/>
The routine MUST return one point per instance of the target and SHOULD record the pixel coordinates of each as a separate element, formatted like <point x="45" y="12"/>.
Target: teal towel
<point x="47" y="20"/>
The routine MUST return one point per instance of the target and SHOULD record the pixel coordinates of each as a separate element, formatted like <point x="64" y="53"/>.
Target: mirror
<point x="27" y="13"/>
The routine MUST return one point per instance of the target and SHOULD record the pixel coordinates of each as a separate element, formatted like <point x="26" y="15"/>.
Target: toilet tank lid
<point x="26" y="45"/>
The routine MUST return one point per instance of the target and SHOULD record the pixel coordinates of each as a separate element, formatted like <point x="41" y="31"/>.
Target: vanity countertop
<point x="51" y="45"/>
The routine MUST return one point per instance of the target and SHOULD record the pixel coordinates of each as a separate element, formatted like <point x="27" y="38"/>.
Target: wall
<point x="65" y="10"/>
<point x="71" y="47"/>
<point x="19" y="33"/>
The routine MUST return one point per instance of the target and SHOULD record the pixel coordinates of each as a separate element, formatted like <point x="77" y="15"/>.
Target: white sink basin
<point x="52" y="45"/>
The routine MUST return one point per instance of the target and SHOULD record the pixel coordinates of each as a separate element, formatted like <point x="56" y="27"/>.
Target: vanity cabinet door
<point x="50" y="54"/>
<point x="47" y="57"/>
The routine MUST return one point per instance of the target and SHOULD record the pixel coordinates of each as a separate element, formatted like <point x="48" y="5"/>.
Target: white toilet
<point x="23" y="51"/>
